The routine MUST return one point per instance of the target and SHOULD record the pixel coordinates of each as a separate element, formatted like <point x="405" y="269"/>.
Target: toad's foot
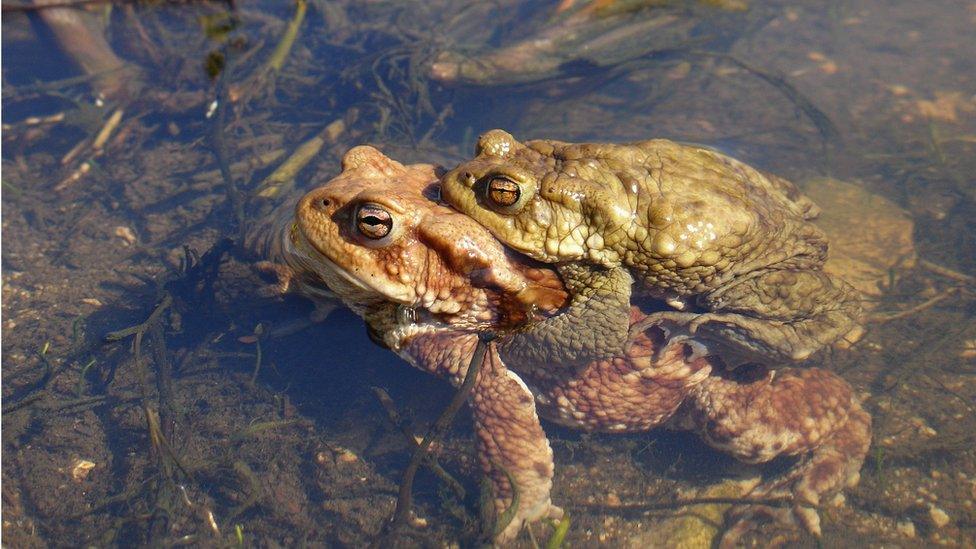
<point x="593" y="326"/>
<point x="287" y="279"/>
<point x="521" y="519"/>
<point x="757" y="415"/>
<point x="673" y="323"/>
<point x="783" y="314"/>
<point x="512" y="448"/>
<point x="827" y="470"/>
<point x="283" y="276"/>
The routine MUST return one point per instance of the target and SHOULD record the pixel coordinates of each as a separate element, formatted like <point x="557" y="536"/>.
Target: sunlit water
<point x="282" y="441"/>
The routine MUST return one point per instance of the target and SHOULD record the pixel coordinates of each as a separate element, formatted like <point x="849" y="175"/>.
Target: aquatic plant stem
<point x="277" y="59"/>
<point x="234" y="195"/>
<point x="879" y="318"/>
<point x="398" y="421"/>
<point x="282" y="178"/>
<point x="405" y="495"/>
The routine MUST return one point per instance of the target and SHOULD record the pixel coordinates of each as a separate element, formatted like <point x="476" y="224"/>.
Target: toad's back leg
<point x="784" y="314"/>
<point x="757" y="415"/>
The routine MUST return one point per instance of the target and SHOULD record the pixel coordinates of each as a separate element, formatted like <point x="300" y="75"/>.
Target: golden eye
<point x="373" y="222"/>
<point x="502" y="191"/>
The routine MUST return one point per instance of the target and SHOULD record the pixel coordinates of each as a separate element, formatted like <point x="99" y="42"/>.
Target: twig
<point x="263" y="77"/>
<point x="397" y="420"/>
<point x="202" y="510"/>
<point x="509" y="513"/>
<point x="87" y="402"/>
<point x="162" y="446"/>
<point x="277" y="59"/>
<point x="164" y="380"/>
<point x="39" y="388"/>
<point x="946" y="272"/>
<point x="26" y="7"/>
<point x="258" y="428"/>
<point x="142" y="327"/>
<point x="916" y="360"/>
<point x="828" y="131"/>
<point x="405" y="495"/>
<point x="281" y="179"/>
<point x="253" y="492"/>
<point x="879" y="318"/>
<point x="234" y="195"/>
<point x="251" y="163"/>
<point x="37" y="121"/>
<point x="663" y="506"/>
<point x="97" y="149"/>
<point x="257" y="358"/>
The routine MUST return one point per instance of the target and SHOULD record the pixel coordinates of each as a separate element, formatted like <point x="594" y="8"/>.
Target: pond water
<point x="134" y="137"/>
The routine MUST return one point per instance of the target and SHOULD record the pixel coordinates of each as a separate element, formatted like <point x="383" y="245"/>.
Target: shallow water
<point x="273" y="435"/>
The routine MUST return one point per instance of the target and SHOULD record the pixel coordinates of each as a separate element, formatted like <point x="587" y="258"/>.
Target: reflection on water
<point x="137" y="140"/>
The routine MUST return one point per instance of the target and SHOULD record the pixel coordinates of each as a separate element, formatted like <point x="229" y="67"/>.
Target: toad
<point x="427" y="280"/>
<point x="732" y="250"/>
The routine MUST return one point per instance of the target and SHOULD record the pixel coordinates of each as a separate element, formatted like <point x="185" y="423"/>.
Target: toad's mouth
<point x="313" y="260"/>
<point x="408" y="322"/>
<point x="351" y="289"/>
<point x="407" y="318"/>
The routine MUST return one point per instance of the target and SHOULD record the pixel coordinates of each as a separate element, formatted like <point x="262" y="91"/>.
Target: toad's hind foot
<point x="827" y="470"/>
<point x="512" y="448"/>
<point x="522" y="518"/>
<point x="805" y="412"/>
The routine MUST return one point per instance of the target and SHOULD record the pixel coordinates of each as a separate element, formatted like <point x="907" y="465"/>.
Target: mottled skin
<point x="731" y="249"/>
<point x="430" y="313"/>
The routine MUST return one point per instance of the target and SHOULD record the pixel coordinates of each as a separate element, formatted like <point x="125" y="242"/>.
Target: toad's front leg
<point x="593" y="326"/>
<point x="512" y="447"/>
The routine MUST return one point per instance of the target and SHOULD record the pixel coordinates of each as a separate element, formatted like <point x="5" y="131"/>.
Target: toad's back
<point x="687" y="219"/>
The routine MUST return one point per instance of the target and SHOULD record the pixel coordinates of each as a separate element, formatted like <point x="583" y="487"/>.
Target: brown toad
<point x="403" y="262"/>
<point x="730" y="248"/>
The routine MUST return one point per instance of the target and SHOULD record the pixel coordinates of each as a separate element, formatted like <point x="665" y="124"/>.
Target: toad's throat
<point x="408" y="319"/>
<point x="353" y="290"/>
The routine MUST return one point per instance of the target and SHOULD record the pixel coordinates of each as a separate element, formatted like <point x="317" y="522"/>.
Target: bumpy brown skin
<point x="760" y="414"/>
<point x="432" y="258"/>
<point x="413" y="294"/>
<point x="694" y="228"/>
<point x="635" y="391"/>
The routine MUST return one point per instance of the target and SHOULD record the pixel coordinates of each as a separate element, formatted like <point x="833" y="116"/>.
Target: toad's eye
<point x="502" y="191"/>
<point x="373" y="221"/>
